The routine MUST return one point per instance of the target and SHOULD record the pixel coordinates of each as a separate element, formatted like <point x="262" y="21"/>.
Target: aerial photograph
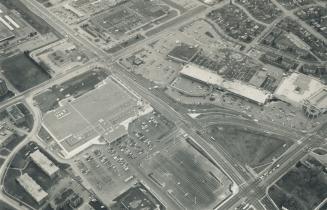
<point x="163" y="104"/>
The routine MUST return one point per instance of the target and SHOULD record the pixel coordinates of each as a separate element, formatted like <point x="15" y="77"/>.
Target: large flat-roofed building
<point x="32" y="188"/>
<point x="99" y="116"/>
<point x="296" y="88"/>
<point x="316" y="104"/>
<point x="42" y="161"/>
<point x="236" y="87"/>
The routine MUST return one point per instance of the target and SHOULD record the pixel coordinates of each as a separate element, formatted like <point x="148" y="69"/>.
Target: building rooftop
<point x="5" y="33"/>
<point x="32" y="188"/>
<point x="79" y="123"/>
<point x="319" y="99"/>
<point x="297" y="87"/>
<point x="14" y="112"/>
<point x="44" y="163"/>
<point x="258" y="78"/>
<point x="236" y="87"/>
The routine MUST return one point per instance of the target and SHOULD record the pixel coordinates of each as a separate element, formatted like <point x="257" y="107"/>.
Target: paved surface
<point x="251" y="188"/>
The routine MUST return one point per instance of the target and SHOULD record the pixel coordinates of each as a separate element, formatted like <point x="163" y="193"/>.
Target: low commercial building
<point x="258" y="78"/>
<point x="32" y="188"/>
<point x="15" y="114"/>
<point x="316" y="104"/>
<point x="236" y="87"/>
<point x="44" y="163"/>
<point x="102" y="115"/>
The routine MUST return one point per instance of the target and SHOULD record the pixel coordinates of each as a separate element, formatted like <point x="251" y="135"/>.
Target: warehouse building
<point x="46" y="165"/>
<point x="236" y="87"/>
<point x="99" y="116"/>
<point x="316" y="104"/>
<point x="32" y="188"/>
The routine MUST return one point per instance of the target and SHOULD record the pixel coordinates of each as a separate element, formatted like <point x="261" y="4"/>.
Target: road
<point x="257" y="189"/>
<point x="135" y="85"/>
<point x="171" y="110"/>
<point x="143" y="91"/>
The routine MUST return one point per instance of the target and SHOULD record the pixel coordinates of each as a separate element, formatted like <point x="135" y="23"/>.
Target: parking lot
<point x="105" y="170"/>
<point x="153" y="127"/>
<point x="127" y="17"/>
<point x="147" y="135"/>
<point x="187" y="177"/>
<point x="108" y="167"/>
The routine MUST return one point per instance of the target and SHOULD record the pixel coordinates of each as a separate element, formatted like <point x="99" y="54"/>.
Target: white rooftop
<point x="44" y="163"/>
<point x="32" y="188"/>
<point x="297" y="87"/>
<point x="236" y="87"/>
<point x="319" y="99"/>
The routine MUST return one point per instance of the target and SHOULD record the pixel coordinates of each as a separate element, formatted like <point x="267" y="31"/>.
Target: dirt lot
<point x="249" y="147"/>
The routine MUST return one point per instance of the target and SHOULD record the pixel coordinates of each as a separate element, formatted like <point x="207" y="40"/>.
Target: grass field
<point x="15" y="140"/>
<point x="323" y="131"/>
<point x="4" y="152"/>
<point x="5" y="206"/>
<point x="320" y="151"/>
<point x="22" y="73"/>
<point x="249" y="147"/>
<point x="2" y="161"/>
<point x="20" y="165"/>
<point x="13" y="188"/>
<point x="304" y="187"/>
